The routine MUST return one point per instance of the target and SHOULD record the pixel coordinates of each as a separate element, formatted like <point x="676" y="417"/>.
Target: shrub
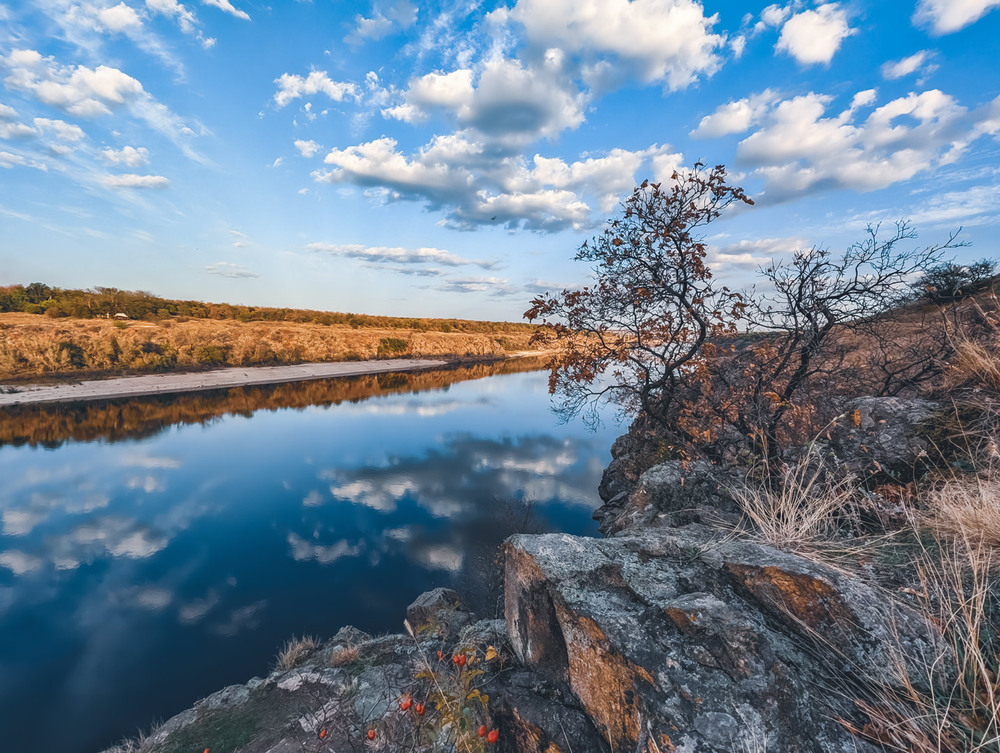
<point x="389" y="347"/>
<point x="949" y="281"/>
<point x="211" y="355"/>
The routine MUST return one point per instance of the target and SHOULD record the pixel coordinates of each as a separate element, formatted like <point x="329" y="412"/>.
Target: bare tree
<point x="640" y="332"/>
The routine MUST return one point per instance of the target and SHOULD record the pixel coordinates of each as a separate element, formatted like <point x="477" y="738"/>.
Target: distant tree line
<point x="107" y="303"/>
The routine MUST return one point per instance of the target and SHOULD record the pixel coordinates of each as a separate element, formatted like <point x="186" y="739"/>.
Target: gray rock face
<point x="441" y="611"/>
<point x="877" y="437"/>
<point x="671" y="494"/>
<point x="355" y="683"/>
<point x="701" y="644"/>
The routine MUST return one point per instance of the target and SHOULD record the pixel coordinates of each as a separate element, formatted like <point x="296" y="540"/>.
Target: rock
<point x="703" y="644"/>
<point x="441" y="612"/>
<point x="672" y="494"/>
<point x="879" y="439"/>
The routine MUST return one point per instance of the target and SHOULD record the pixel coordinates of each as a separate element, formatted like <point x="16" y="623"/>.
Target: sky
<point x="449" y="158"/>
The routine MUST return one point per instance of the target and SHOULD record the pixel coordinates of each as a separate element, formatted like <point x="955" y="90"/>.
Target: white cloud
<point x="899" y="68"/>
<point x="291" y="87"/>
<point x="735" y="117"/>
<point x="78" y="90"/>
<point x="396" y="255"/>
<point x="173" y="9"/>
<point x="9" y="160"/>
<point x="384" y="19"/>
<point x="307" y="148"/>
<point x="91" y="92"/>
<point x="814" y="36"/>
<point x="119" y="18"/>
<point x="129" y="156"/>
<point x="655" y="40"/>
<point x="478" y="285"/>
<point x="227" y="6"/>
<point x="228" y="269"/>
<point x="459" y="173"/>
<point x="134" y="180"/>
<point x="506" y="101"/>
<point x="947" y="16"/>
<point x="801" y="148"/>
<point x="61" y="129"/>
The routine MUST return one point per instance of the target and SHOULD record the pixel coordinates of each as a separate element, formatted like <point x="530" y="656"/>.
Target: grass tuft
<point x="295" y="651"/>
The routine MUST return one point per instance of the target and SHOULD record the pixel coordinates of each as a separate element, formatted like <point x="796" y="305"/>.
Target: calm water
<point x="153" y="552"/>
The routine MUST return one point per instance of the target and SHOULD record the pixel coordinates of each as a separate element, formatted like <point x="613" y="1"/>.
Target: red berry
<point x="482" y="731"/>
<point x="406" y="703"/>
<point x="322" y="734"/>
<point x="462" y="660"/>
<point x="421" y="709"/>
<point x="440" y="655"/>
<point x="493" y="736"/>
<point x="455" y="658"/>
<point x="371" y="734"/>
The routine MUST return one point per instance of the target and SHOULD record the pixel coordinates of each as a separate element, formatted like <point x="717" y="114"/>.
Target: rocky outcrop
<point x="355" y="683"/>
<point x="688" y="640"/>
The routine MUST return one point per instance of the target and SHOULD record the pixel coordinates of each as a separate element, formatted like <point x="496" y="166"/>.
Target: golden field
<point x="32" y="346"/>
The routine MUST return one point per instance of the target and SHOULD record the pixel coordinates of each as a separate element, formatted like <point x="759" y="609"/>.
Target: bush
<point x="949" y="281"/>
<point x="389" y="347"/>
<point x="211" y="355"/>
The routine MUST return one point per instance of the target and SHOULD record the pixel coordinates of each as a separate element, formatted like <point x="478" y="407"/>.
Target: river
<point x="153" y="551"/>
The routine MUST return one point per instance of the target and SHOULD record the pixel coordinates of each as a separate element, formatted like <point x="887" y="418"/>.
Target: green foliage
<point x="73" y="354"/>
<point x="389" y="347"/>
<point x="212" y="355"/>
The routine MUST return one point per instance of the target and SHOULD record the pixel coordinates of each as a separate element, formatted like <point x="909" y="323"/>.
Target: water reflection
<point x="116" y="420"/>
<point x="142" y="572"/>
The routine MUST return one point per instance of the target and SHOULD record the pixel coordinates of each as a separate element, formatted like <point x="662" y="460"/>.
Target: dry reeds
<point x="344" y="655"/>
<point x="294" y="652"/>
<point x="33" y="345"/>
<point x="800" y="508"/>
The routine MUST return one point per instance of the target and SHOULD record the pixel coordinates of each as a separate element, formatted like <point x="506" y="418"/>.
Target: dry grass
<point x="32" y="345"/>
<point x="295" y="651"/>
<point x="344" y="655"/>
<point x="977" y="364"/>
<point x="800" y="510"/>
<point x="965" y="510"/>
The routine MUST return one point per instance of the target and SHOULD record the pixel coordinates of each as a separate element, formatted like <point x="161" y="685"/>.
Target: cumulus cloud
<point x="291" y="86"/>
<point x="947" y="16"/>
<point x="802" y="148"/>
<point x="735" y="117"/>
<point x="504" y="100"/>
<point x="182" y="16"/>
<point x="497" y="286"/>
<point x="397" y="254"/>
<point x="898" y="68"/>
<point x="91" y="92"/>
<point x="814" y="36"/>
<point x="459" y="173"/>
<point x="128" y="156"/>
<point x="307" y="149"/>
<point x="667" y="41"/>
<point x="19" y="562"/>
<point x="77" y="90"/>
<point x="229" y="269"/>
<point x="134" y="180"/>
<point x="119" y="18"/>
<point x="227" y="6"/>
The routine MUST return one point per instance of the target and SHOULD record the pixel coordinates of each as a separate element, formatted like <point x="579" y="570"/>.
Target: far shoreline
<point x="144" y="385"/>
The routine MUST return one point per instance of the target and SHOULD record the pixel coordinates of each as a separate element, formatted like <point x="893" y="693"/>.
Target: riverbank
<point x="164" y="384"/>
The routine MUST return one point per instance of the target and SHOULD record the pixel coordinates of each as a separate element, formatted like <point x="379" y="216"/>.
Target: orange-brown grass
<point x="32" y="345"/>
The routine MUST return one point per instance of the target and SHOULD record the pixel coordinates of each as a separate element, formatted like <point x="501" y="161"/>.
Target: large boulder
<point x="685" y="639"/>
<point x="879" y="438"/>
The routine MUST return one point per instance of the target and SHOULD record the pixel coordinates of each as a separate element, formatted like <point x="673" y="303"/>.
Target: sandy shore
<point x="164" y="384"/>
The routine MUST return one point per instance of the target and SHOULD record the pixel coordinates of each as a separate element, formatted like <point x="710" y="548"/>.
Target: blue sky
<point x="448" y="158"/>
